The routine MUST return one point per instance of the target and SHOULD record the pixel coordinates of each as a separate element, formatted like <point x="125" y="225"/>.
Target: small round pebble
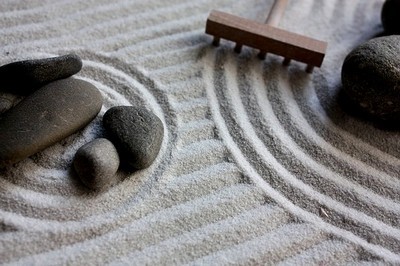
<point x="97" y="163"/>
<point x="136" y="132"/>
<point x="47" y="116"/>
<point x="24" y="77"/>
<point x="371" y="78"/>
<point x="390" y="16"/>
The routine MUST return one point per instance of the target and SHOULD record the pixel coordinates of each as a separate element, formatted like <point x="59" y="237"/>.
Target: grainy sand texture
<point x="259" y="163"/>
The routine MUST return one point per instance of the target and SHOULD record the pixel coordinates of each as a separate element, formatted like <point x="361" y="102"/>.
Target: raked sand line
<point x="202" y="241"/>
<point x="270" y="161"/>
<point x="299" y="120"/>
<point x="178" y="193"/>
<point x="351" y="141"/>
<point x="359" y="172"/>
<point x="284" y="174"/>
<point x="180" y="190"/>
<point x="104" y="32"/>
<point x="324" y="175"/>
<point x="45" y="223"/>
<point x="344" y="160"/>
<point x="291" y="238"/>
<point x="324" y="172"/>
<point x="147" y="53"/>
<point x="76" y="16"/>
<point x="158" y="226"/>
<point x="329" y="252"/>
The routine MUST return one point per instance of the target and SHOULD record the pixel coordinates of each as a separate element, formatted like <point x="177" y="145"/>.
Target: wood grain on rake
<point x="267" y="37"/>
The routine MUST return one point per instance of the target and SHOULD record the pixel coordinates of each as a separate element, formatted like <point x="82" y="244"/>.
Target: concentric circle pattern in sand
<point x="258" y="164"/>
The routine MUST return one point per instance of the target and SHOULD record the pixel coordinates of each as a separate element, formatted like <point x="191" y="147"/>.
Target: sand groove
<point x="258" y="163"/>
<point x="212" y="237"/>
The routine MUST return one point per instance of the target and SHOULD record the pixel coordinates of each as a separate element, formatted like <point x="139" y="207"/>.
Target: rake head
<point x="266" y="37"/>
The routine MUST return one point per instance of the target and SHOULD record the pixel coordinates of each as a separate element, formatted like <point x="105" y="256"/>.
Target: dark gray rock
<point x="136" y="132"/>
<point x="390" y="16"/>
<point x="97" y="163"/>
<point x="24" y="77"/>
<point x="371" y="78"/>
<point x="47" y="116"/>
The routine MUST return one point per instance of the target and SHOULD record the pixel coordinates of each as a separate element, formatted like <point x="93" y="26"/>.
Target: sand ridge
<point x="259" y="164"/>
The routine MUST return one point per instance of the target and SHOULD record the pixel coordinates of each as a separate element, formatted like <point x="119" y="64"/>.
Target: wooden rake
<point x="267" y="37"/>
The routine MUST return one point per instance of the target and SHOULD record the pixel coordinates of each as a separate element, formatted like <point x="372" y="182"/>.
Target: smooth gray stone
<point x="24" y="77"/>
<point x="136" y="132"/>
<point x="390" y="16"/>
<point x="97" y="163"/>
<point x="371" y="78"/>
<point x="47" y="116"/>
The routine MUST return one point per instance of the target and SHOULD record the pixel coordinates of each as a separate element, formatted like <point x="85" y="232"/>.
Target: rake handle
<point x="276" y="12"/>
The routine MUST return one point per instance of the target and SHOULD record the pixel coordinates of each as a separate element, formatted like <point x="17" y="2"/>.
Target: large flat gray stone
<point x="47" y="116"/>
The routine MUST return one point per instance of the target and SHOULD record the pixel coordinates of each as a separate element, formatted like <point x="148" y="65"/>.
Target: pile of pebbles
<point x="135" y="136"/>
<point x="55" y="105"/>
<point x="371" y="72"/>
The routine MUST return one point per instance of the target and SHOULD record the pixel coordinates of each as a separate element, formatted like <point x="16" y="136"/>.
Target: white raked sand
<point x="259" y="163"/>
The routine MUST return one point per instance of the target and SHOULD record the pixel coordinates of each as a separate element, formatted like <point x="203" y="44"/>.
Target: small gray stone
<point x="136" y="132"/>
<point x="371" y="78"/>
<point x="47" y="116"/>
<point x="24" y="77"/>
<point x="97" y="163"/>
<point x="390" y="16"/>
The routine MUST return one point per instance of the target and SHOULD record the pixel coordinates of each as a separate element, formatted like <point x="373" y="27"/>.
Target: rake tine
<point x="286" y="61"/>
<point x="238" y="48"/>
<point x="216" y="41"/>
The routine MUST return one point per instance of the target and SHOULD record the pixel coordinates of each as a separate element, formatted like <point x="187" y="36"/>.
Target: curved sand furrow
<point x="289" y="177"/>
<point x="277" y="196"/>
<point x="225" y="203"/>
<point x="211" y="238"/>
<point x="194" y="205"/>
